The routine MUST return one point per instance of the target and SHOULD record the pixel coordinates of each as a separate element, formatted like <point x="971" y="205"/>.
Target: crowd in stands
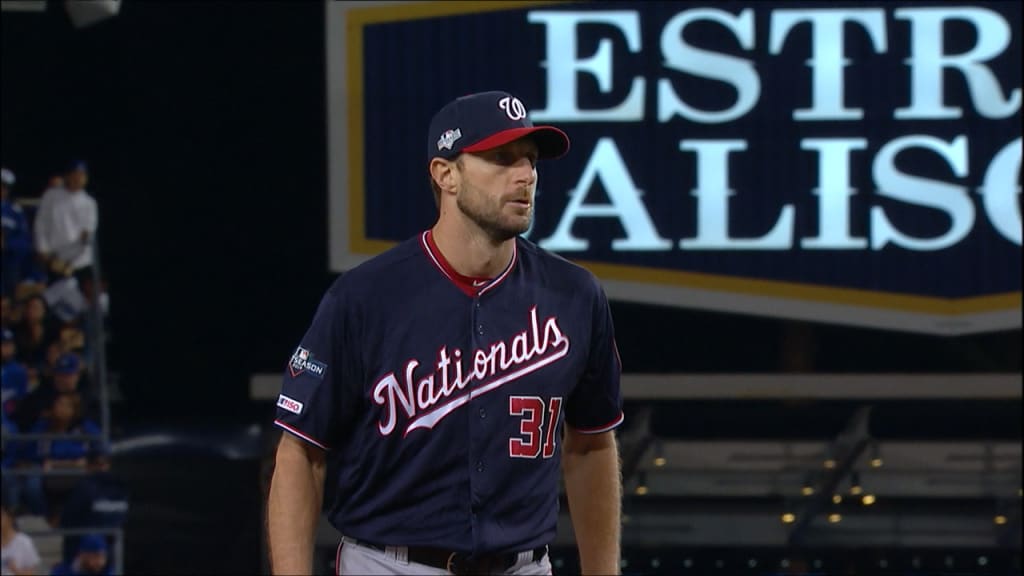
<point x="55" y="460"/>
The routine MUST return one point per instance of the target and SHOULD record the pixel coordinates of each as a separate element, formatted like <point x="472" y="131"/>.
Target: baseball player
<point x="450" y="380"/>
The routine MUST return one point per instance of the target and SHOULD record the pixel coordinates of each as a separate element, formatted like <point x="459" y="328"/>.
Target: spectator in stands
<point x="15" y="237"/>
<point x="99" y="500"/>
<point x="19" y="555"/>
<point x="67" y="377"/>
<point x="91" y="559"/>
<point x="65" y="225"/>
<point x="14" y="386"/>
<point x="26" y="289"/>
<point x="64" y="417"/>
<point x="13" y="376"/>
<point x="33" y="331"/>
<point x="71" y="338"/>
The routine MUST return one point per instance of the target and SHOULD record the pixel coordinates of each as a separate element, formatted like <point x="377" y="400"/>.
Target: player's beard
<point x="488" y="213"/>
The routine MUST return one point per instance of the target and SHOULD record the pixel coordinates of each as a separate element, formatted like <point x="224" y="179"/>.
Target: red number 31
<point x="532" y="409"/>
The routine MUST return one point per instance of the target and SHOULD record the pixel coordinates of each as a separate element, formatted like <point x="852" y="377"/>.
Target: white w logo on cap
<point x="513" y="107"/>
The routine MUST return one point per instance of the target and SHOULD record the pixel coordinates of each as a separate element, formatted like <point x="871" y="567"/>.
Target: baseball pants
<point x="354" y="558"/>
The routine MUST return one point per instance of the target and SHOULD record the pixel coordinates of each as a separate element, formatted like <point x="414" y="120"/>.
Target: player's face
<point x="497" y="188"/>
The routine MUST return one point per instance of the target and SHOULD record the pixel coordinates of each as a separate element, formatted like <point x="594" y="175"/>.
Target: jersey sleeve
<point x="595" y="405"/>
<point x="314" y="401"/>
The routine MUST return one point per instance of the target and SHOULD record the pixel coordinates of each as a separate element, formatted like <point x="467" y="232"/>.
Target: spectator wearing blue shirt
<point x="91" y="559"/>
<point x="13" y="376"/>
<point x="62" y="418"/>
<point x="65" y="417"/>
<point x="16" y="237"/>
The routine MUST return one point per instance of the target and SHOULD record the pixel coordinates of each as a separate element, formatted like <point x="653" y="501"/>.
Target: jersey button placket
<point x="477" y="430"/>
<point x="478" y="325"/>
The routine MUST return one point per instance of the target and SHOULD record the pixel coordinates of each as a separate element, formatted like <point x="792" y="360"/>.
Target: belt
<point x="461" y="562"/>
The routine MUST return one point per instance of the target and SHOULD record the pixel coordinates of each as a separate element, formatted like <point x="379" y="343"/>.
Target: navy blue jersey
<point x="442" y="410"/>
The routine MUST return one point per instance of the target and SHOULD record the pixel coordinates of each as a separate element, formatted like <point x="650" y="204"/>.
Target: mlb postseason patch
<point x="289" y="404"/>
<point x="303" y="361"/>
<point x="448" y="139"/>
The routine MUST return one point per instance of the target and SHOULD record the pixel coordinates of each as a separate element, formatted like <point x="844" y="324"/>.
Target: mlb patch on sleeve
<point x="289" y="404"/>
<point x="303" y="361"/>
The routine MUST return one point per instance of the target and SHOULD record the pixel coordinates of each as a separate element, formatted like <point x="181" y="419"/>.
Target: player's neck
<point x="471" y="254"/>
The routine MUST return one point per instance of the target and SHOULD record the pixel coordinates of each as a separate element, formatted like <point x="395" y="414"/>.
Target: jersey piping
<point x="300" y="434"/>
<point x="607" y="427"/>
<point x="467" y="286"/>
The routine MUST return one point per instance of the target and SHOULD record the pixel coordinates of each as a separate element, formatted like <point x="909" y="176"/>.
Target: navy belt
<point x="461" y="562"/>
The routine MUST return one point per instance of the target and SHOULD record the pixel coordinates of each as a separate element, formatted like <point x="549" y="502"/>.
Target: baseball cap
<point x="7" y="335"/>
<point x="76" y="165"/>
<point x="486" y="120"/>
<point x="92" y="543"/>
<point x="67" y="364"/>
<point x="7" y="176"/>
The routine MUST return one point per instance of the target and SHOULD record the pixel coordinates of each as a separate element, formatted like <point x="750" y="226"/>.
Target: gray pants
<point x="353" y="558"/>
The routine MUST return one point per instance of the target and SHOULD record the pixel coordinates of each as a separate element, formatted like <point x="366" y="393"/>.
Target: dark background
<point x="204" y="126"/>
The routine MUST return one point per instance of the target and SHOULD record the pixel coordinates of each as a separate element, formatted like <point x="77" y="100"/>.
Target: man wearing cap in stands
<point x="67" y="376"/>
<point x="65" y="226"/>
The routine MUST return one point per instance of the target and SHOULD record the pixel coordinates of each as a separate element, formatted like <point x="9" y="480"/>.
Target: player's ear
<point x="443" y="174"/>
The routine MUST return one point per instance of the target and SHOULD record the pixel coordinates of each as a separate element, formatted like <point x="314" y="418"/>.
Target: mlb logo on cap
<point x="487" y="120"/>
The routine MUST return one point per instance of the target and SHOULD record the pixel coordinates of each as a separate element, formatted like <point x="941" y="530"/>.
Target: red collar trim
<point x="471" y="286"/>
